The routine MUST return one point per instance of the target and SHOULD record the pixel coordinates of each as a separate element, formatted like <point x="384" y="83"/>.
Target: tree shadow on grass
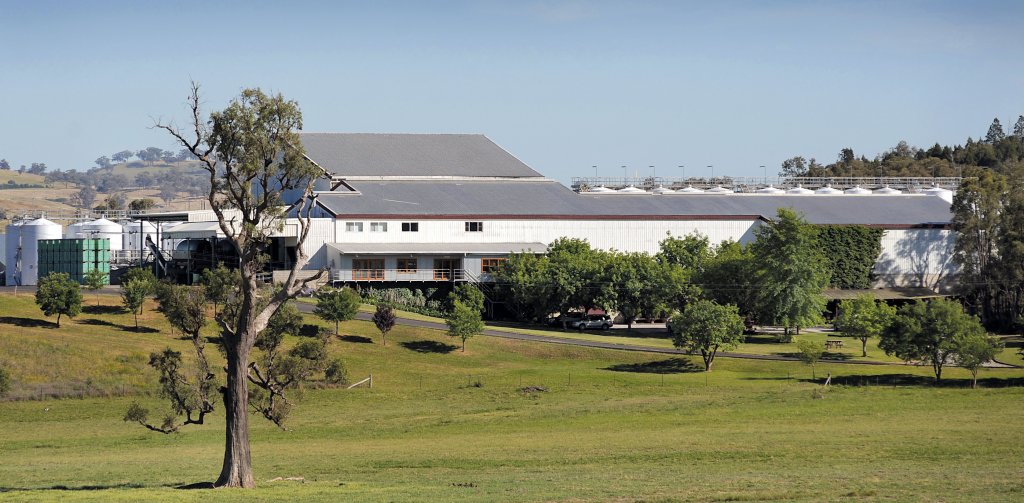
<point x="61" y="487"/>
<point x="103" y="310"/>
<point x="825" y="357"/>
<point x="892" y="380"/>
<point x="27" y="322"/>
<point x="429" y="347"/>
<point x="126" y="328"/>
<point x="358" y="339"/>
<point x="669" y="366"/>
<point x="761" y="339"/>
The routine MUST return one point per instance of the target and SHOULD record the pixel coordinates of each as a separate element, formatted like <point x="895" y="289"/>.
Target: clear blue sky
<point x="563" y="85"/>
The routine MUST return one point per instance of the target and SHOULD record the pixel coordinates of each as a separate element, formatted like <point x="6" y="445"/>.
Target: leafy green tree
<point x="794" y="166"/>
<point x="384" y="319"/>
<point x="728" y="277"/>
<point x="220" y="283"/>
<point x="642" y="286"/>
<point x="707" y="326"/>
<point x="276" y="370"/>
<point x="469" y="295"/>
<point x="337" y="305"/>
<point x="691" y="252"/>
<point x="94" y="280"/>
<point x="133" y="295"/>
<point x="58" y="294"/>
<point x="574" y="276"/>
<point x="862" y="318"/>
<point x="141" y="204"/>
<point x="974" y="350"/>
<point x="928" y="332"/>
<point x="810" y="352"/>
<point x="521" y="281"/>
<point x="285" y="321"/>
<point x="85" y="197"/>
<point x="995" y="132"/>
<point x="251" y="154"/>
<point x="464" y="322"/>
<point x="791" y="272"/>
<point x="988" y="217"/>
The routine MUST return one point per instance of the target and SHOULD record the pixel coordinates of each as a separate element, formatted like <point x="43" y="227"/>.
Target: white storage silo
<point x="11" y="251"/>
<point x="135" y="233"/>
<point x="31" y="233"/>
<point x="102" y="228"/>
<point x="74" y="231"/>
<point x="944" y="194"/>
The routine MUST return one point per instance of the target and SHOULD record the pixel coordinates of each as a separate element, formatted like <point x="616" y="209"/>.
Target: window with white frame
<point x="474" y="226"/>
<point x="410" y="226"/>
<point x="378" y="226"/>
<point x="353" y="227"/>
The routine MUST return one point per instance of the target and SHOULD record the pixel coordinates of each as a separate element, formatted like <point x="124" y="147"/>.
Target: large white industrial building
<point x="410" y="208"/>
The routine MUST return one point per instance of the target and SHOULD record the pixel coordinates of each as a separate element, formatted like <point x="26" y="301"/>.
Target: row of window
<point x="406" y="226"/>
<point x="371" y="269"/>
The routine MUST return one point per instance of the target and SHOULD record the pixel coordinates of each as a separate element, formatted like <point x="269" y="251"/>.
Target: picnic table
<point x="833" y="343"/>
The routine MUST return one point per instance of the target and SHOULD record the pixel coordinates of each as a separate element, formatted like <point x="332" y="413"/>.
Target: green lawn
<point x="611" y="426"/>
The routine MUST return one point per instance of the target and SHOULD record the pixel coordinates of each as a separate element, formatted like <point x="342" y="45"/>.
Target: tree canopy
<point x="708" y="327"/>
<point x="58" y="294"/>
<point x="791" y="272"/>
<point x="928" y="332"/>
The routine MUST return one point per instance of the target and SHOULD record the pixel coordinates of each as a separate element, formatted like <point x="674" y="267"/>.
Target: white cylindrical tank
<point x="74" y="231"/>
<point x="601" y="189"/>
<point x="718" y="189"/>
<point x="135" y="233"/>
<point x="771" y="189"/>
<point x="631" y="190"/>
<point x="689" y="189"/>
<point x="11" y="251"/>
<point x="857" y="190"/>
<point x="799" y="190"/>
<point x="31" y="233"/>
<point x="944" y="194"/>
<point x="103" y="228"/>
<point x="887" y="191"/>
<point x="828" y="190"/>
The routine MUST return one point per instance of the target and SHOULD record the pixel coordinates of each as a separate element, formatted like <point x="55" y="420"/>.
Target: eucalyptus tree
<point x="251" y="154"/>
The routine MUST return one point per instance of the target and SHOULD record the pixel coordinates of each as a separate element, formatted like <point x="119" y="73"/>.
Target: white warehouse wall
<point x="623" y="235"/>
<point x="917" y="258"/>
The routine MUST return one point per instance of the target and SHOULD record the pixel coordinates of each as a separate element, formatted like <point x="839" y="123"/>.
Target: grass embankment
<point x="612" y="425"/>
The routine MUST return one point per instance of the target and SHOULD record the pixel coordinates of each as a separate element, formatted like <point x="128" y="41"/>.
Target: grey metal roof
<point x="368" y="154"/>
<point x="549" y="199"/>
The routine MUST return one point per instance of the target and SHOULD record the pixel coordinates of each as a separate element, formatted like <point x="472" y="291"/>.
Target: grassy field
<point x="440" y="424"/>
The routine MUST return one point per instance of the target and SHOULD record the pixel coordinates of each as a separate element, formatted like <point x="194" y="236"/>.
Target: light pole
<point x="625" y="175"/>
<point x="712" y="167"/>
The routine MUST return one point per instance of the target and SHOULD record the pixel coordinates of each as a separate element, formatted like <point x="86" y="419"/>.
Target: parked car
<point x="602" y="321"/>
<point x="565" y="320"/>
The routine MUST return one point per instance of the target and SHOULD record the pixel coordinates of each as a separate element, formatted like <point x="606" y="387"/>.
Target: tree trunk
<point x="237" y="469"/>
<point x="974" y="379"/>
<point x="337" y="330"/>
<point x="864" y="347"/>
<point x="58" y="320"/>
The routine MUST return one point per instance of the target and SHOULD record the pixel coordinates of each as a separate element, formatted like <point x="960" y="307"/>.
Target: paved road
<point x="307" y="308"/>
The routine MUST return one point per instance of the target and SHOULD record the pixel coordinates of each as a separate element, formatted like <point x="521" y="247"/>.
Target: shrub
<point x="336" y="373"/>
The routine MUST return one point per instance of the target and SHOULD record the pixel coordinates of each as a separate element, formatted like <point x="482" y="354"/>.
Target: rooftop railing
<point x="750" y="184"/>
